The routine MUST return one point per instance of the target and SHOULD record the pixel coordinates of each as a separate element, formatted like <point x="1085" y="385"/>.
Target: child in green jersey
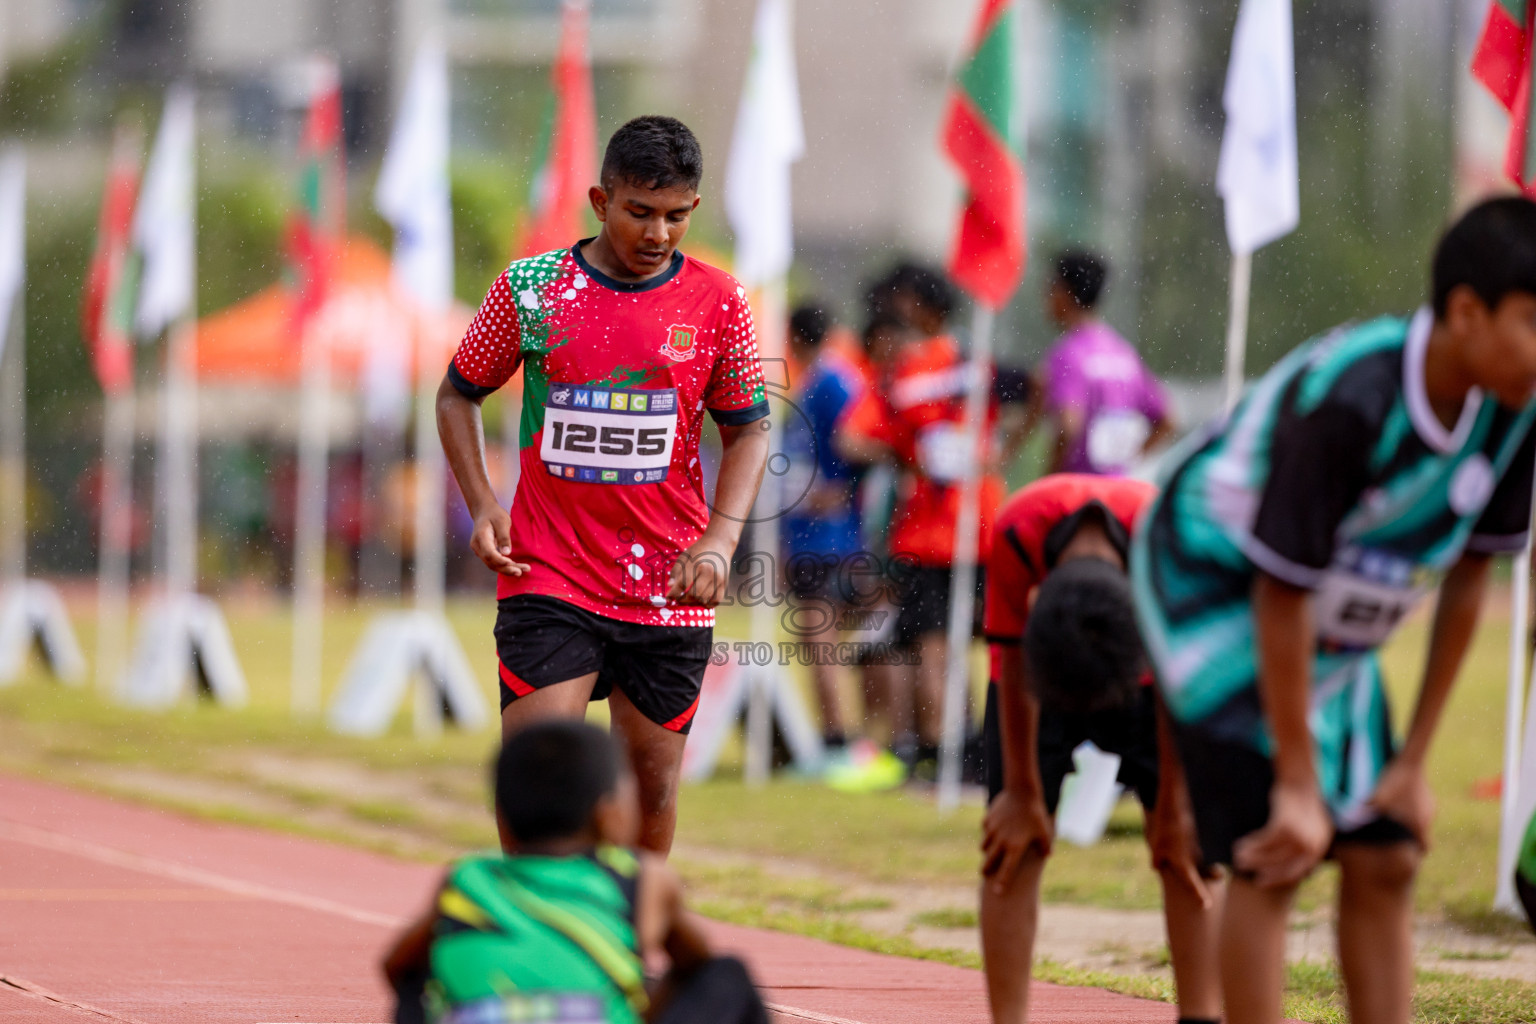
<point x="1369" y="466"/>
<point x="554" y="932"/>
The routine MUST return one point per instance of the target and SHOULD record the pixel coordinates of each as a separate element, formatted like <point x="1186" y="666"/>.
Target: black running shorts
<point x="1130" y="732"/>
<point x="923" y="603"/>
<point x="541" y="641"/>
<point x="1229" y="785"/>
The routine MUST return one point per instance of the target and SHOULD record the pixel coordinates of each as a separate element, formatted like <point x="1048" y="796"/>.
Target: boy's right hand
<point x="1013" y="828"/>
<point x="492" y="542"/>
<point x="1294" y="840"/>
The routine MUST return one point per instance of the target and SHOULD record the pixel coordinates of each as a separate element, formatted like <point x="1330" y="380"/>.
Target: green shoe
<point x="865" y="768"/>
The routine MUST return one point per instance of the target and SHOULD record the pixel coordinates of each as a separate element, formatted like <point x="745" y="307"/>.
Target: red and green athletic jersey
<point x="616" y="379"/>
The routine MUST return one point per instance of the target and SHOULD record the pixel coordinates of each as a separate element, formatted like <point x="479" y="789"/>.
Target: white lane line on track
<point x="61" y="843"/>
<point x="44" y="839"/>
<point x="33" y="991"/>
<point x="799" y="1014"/>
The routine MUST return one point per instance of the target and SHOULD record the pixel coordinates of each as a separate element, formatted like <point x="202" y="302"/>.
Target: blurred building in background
<point x="1122" y="103"/>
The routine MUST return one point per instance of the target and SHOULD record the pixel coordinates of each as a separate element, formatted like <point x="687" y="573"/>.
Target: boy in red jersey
<point x="916" y="421"/>
<point x="1067" y="666"/>
<point x="611" y="562"/>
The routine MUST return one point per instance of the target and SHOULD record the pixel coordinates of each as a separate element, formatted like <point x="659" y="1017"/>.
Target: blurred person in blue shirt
<point x="821" y="530"/>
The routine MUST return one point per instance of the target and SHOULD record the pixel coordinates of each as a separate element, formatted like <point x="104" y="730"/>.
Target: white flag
<point x="163" y="223"/>
<point x="13" y="238"/>
<point x="769" y="138"/>
<point x="412" y="192"/>
<point x="1257" y="175"/>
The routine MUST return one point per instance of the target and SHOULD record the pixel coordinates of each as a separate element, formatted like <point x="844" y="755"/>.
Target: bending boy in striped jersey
<point x="1367" y="466"/>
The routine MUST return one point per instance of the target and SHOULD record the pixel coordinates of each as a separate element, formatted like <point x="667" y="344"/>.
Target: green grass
<point x="898" y="838"/>
<point x="1314" y="992"/>
<point x="945" y="917"/>
<point x="895" y="837"/>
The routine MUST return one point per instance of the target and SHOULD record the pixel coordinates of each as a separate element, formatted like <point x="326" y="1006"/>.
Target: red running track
<point x="114" y="912"/>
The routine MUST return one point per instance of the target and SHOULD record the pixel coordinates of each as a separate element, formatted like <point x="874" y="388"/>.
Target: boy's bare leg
<point x="561" y="700"/>
<point x="567" y="699"/>
<point x="902" y="684"/>
<point x="1008" y="922"/>
<point x="932" y="654"/>
<point x="824" y="674"/>
<point x="1194" y="943"/>
<point x="876" y="685"/>
<point x="1376" y="929"/>
<point x="656" y="755"/>
<point x="1253" y="951"/>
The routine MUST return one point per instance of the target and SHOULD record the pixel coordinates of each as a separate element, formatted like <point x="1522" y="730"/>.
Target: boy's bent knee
<point x="1388" y="867"/>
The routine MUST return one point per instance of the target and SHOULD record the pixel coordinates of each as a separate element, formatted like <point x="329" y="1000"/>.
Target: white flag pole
<point x="1257" y="175"/>
<point x="309" y="523"/>
<point x="962" y="593"/>
<point x="765" y="531"/>
<point x="1523" y="802"/>
<point x="181" y="458"/>
<point x="113" y="581"/>
<point x="1511" y="827"/>
<point x="1237" y="325"/>
<point x="769" y="137"/>
<point x="185" y="632"/>
<point x="13" y="369"/>
<point x="430" y="546"/>
<point x="418" y="651"/>
<point x="13" y="447"/>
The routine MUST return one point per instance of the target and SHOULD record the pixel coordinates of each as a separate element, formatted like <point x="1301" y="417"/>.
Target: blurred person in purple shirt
<point x="1107" y="407"/>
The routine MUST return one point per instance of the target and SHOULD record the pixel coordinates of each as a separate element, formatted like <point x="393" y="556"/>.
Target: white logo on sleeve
<point x="1471" y="485"/>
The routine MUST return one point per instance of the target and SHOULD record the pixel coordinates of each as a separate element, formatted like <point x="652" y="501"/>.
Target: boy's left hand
<point x="1175" y="846"/>
<point x="701" y="574"/>
<point x="1402" y="794"/>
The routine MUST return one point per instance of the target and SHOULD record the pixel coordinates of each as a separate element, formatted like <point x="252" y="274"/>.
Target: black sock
<point x="834" y="740"/>
<point x="1199" y="1020"/>
<point x="927" y="751"/>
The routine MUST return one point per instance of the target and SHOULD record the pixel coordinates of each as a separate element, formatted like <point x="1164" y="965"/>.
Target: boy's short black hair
<point x="928" y="286"/>
<point x="1082" y="274"/>
<point x="653" y="152"/>
<point x="884" y="320"/>
<point x="551" y="775"/>
<point x="1491" y="249"/>
<point x="810" y="322"/>
<point x="1081" y="640"/>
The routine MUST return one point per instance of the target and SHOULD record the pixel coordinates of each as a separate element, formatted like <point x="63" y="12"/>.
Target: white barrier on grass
<point x="32" y="613"/>
<point x="723" y="702"/>
<point x="184" y="648"/>
<point x="397" y="650"/>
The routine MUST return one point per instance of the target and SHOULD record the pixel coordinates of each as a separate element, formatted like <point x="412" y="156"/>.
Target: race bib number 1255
<point x="609" y="435"/>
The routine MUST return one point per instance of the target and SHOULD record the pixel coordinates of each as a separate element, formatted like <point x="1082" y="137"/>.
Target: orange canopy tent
<point x="365" y="319"/>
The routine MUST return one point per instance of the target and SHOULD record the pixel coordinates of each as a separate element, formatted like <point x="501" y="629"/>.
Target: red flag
<point x="106" y="308"/>
<point x="981" y="136"/>
<point x="1502" y="62"/>
<point x="315" y="225"/>
<point x="559" y="201"/>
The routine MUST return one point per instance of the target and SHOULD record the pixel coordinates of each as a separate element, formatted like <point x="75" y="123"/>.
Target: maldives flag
<point x="1502" y="62"/>
<point x="981" y="137"/>
<point x="569" y="168"/>
<point x="316" y="221"/>
<point x="106" y="313"/>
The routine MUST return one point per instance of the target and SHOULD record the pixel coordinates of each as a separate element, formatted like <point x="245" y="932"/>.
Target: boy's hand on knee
<point x="1403" y="794"/>
<point x="1014" y="828"/>
<point x="1293" y="841"/>
<point x="1175" y="848"/>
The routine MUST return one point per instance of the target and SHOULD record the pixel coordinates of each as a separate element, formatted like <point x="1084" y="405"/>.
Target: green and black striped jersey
<point x="1333" y="474"/>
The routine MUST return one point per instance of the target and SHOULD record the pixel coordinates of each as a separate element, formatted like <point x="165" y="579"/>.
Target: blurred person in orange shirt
<point x="917" y="422"/>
